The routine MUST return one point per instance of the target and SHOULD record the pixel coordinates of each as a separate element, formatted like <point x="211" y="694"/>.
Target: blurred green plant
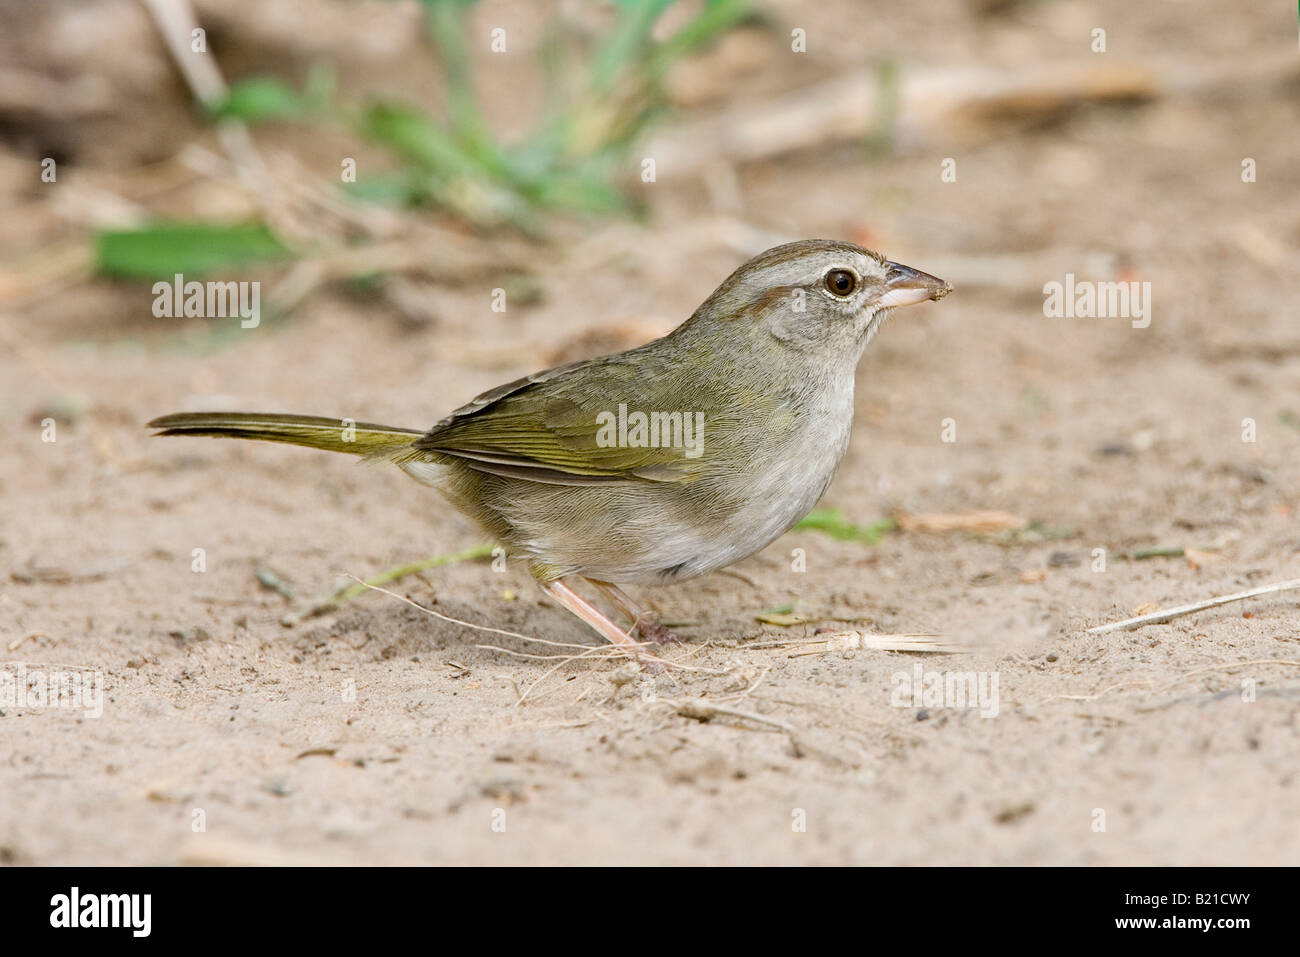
<point x="262" y="98"/>
<point x="574" y="161"/>
<point x="831" y="521"/>
<point x="159" y="250"/>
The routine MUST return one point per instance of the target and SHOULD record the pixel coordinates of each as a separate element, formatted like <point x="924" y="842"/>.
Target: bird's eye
<point x="840" y="282"/>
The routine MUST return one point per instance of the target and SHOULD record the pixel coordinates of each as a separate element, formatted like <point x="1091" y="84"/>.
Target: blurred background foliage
<point x="575" y="160"/>
<point x="230" y="156"/>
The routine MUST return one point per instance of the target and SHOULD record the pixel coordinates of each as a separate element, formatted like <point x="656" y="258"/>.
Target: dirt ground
<point x="377" y="734"/>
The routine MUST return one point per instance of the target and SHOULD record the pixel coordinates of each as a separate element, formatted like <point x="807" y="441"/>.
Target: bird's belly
<point x="775" y="501"/>
<point x="656" y="534"/>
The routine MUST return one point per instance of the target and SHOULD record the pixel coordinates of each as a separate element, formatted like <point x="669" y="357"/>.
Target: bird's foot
<point x="650" y="628"/>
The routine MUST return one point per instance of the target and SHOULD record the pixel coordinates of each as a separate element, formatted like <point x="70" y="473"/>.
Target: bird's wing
<point x="547" y="427"/>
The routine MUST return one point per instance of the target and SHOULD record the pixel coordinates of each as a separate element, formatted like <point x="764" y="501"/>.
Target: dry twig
<point x="1168" y="614"/>
<point x="858" y="641"/>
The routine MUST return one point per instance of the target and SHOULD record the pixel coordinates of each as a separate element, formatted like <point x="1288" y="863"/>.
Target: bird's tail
<point x="312" y="431"/>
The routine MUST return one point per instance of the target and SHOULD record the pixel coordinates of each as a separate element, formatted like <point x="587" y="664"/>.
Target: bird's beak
<point x="905" y="286"/>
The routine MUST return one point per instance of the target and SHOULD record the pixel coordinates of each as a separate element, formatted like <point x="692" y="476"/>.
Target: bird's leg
<point x="592" y="615"/>
<point x="643" y="619"/>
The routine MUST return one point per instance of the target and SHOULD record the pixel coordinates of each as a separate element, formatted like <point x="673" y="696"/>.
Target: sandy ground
<point x="378" y="734"/>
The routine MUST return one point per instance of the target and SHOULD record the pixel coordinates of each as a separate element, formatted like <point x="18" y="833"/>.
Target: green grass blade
<point x="161" y="250"/>
<point x="830" y="521"/>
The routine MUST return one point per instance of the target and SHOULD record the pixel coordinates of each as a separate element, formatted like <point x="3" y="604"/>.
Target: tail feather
<point x="311" y="431"/>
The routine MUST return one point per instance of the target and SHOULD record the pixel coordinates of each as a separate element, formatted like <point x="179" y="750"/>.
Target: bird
<point x="658" y="464"/>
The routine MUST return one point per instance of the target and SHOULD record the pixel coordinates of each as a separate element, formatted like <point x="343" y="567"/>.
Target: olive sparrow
<point x="657" y="464"/>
